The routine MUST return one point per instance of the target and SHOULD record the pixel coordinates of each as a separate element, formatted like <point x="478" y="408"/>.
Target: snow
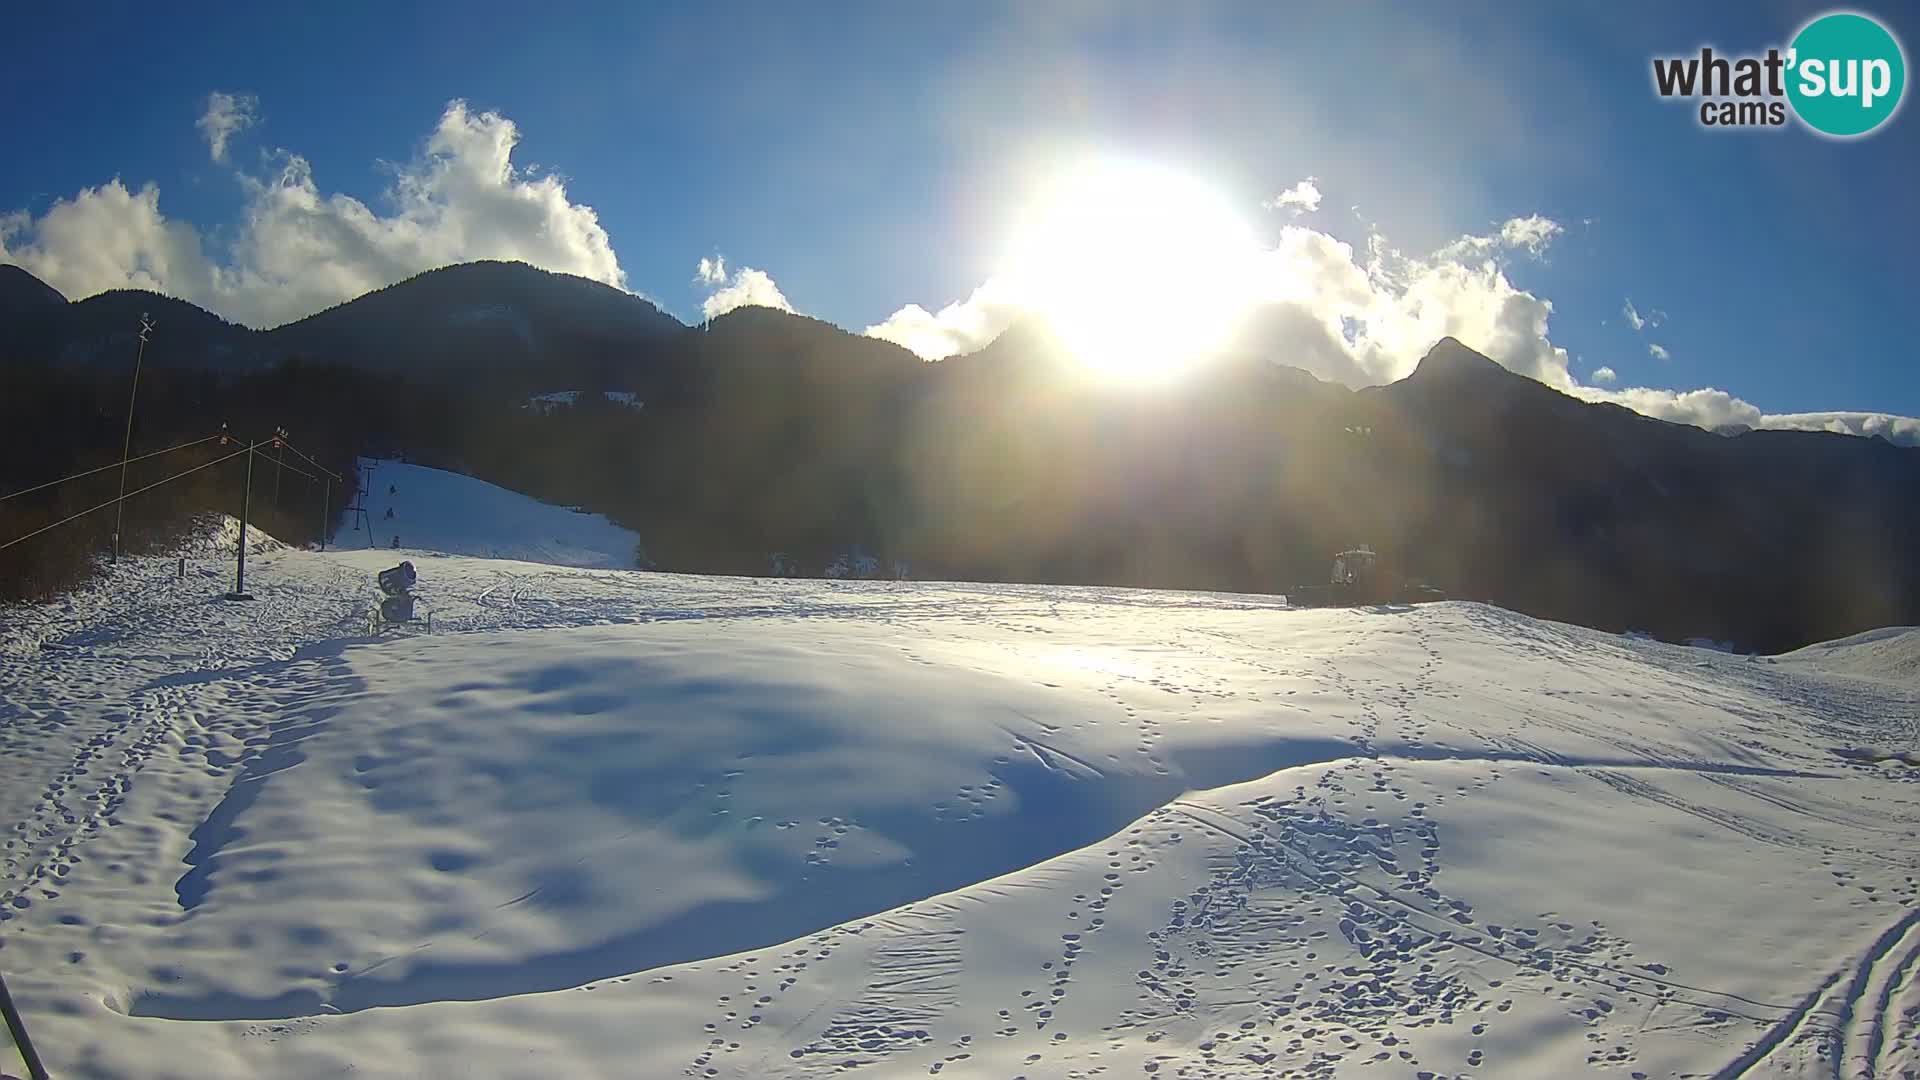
<point x="611" y="823"/>
<point x="1890" y="653"/>
<point x="222" y="535"/>
<point x="547" y="403"/>
<point x="437" y="511"/>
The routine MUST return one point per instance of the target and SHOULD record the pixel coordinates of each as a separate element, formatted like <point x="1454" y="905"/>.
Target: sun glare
<point x="1134" y="265"/>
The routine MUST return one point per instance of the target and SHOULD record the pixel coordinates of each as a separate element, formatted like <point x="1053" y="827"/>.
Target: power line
<point x="291" y="469"/>
<point x="149" y="487"/>
<point x="309" y="460"/>
<point x="104" y="468"/>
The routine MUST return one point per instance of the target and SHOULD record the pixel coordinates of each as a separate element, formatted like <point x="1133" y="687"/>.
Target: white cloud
<point x="1605" y="375"/>
<point x="960" y="327"/>
<point x="226" y="116"/>
<point x="1301" y="198"/>
<point x="1904" y="430"/>
<point x="746" y="287"/>
<point x="107" y="237"/>
<point x="1653" y="318"/>
<point x="297" y="249"/>
<point x="1658" y="352"/>
<point x="1707" y="407"/>
<point x="1531" y="234"/>
<point x="1718" y="410"/>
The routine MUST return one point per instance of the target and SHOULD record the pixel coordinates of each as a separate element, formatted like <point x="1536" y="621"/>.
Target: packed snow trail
<point x="610" y="823"/>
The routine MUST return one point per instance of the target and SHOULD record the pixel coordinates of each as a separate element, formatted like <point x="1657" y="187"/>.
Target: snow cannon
<point x="398" y="580"/>
<point x="397" y="583"/>
<point x="397" y="608"/>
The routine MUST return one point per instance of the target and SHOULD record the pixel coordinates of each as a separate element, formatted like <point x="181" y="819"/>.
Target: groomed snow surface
<point x="605" y="823"/>
<point x="431" y="510"/>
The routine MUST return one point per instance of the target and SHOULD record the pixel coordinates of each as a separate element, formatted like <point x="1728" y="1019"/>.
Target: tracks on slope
<point x="1848" y="1019"/>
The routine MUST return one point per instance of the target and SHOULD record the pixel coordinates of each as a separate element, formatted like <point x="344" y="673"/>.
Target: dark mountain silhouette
<point x="38" y="324"/>
<point x="769" y="432"/>
<point x="488" y="315"/>
<point x="21" y="293"/>
<point x="1512" y="492"/>
<point x="493" y="317"/>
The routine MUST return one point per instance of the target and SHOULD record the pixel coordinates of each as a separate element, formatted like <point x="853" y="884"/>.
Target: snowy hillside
<point x="437" y="511"/>
<point x="1892" y="653"/>
<point x="615" y="824"/>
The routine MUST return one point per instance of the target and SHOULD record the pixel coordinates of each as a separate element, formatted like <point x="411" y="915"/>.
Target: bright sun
<point x="1131" y="264"/>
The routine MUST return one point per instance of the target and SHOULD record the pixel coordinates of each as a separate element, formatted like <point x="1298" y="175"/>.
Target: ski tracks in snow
<point x="1858" y="1024"/>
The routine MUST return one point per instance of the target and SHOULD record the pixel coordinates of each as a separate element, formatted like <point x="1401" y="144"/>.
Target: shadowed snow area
<point x="609" y="823"/>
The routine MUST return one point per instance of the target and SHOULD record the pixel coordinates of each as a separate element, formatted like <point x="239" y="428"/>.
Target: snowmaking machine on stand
<point x="397" y="602"/>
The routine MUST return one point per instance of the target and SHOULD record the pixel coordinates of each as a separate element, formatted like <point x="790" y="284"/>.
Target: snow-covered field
<point x="605" y="823"/>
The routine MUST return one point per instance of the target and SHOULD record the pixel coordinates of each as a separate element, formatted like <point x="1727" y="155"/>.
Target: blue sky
<point x="867" y="157"/>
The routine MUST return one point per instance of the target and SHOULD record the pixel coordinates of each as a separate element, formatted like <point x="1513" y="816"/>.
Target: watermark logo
<point x="1843" y="75"/>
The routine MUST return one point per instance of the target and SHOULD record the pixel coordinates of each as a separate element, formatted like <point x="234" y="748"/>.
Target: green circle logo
<point x="1846" y="74"/>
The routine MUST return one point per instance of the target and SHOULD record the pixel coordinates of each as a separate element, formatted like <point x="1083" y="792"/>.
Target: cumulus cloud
<point x="1658" y="352"/>
<point x="1301" y="198"/>
<point x="298" y="249"/>
<point x="108" y="237"/>
<point x="226" y="115"/>
<point x="1605" y="375"/>
<point x="746" y="287"/>
<point x="960" y="327"/>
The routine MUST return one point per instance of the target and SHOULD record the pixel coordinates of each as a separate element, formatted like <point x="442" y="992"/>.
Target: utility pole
<point x="126" y="444"/>
<point x="246" y="506"/>
<point x="18" y="1029"/>
<point x="326" y="496"/>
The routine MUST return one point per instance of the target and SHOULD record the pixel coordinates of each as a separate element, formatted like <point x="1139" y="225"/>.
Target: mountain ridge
<point x="766" y="433"/>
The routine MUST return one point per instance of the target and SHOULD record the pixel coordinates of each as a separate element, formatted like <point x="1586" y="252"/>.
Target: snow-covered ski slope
<point x="617" y="824"/>
<point x="445" y="512"/>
